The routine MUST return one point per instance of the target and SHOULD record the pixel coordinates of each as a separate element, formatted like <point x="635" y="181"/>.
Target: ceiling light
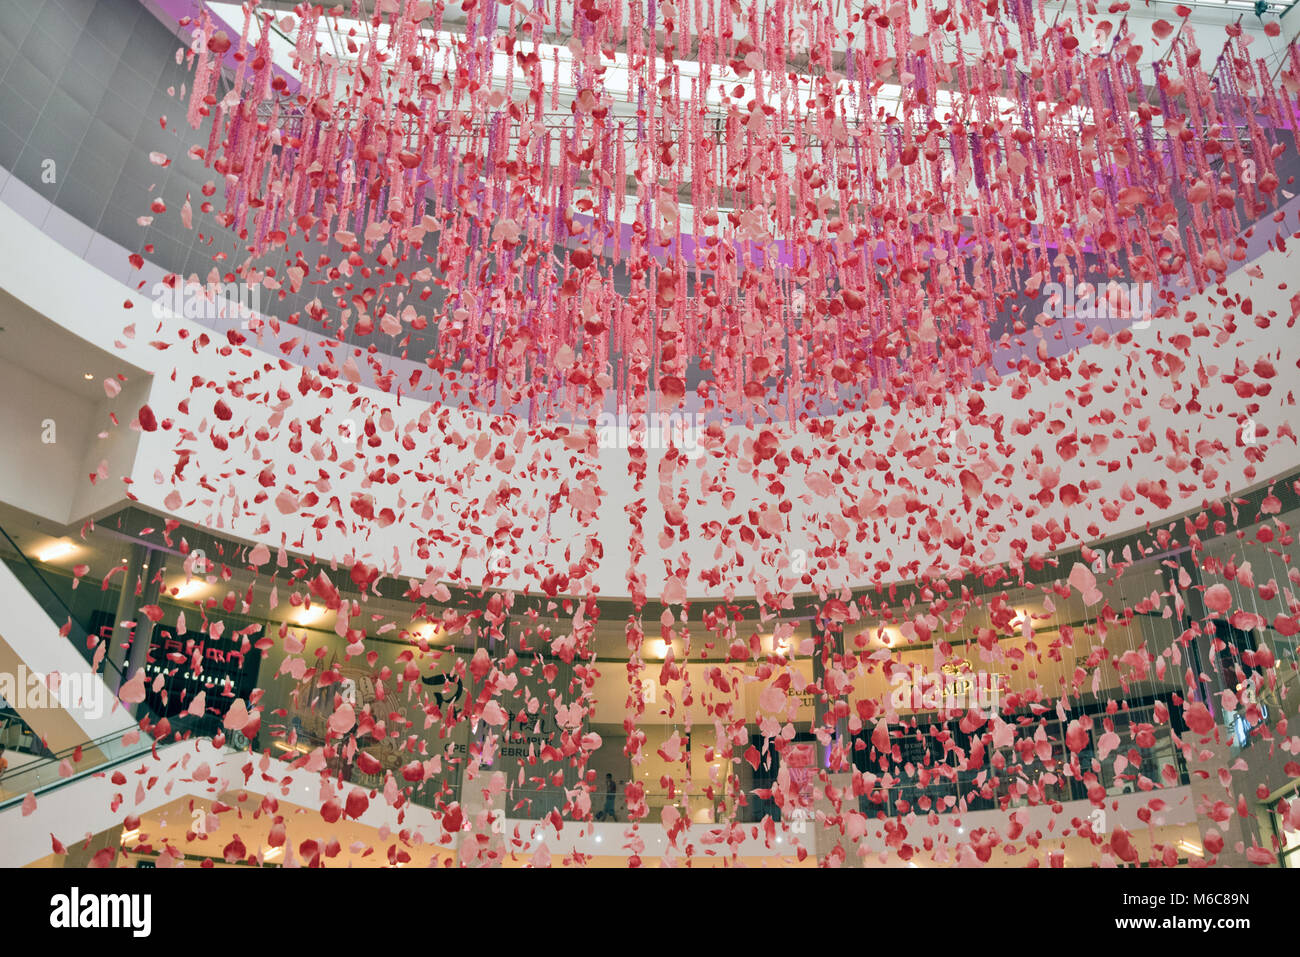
<point x="57" y="550"/>
<point x="188" y="589"/>
<point x="429" y="634"/>
<point x="88" y="376"/>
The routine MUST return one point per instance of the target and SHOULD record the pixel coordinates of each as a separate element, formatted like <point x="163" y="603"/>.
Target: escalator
<point x="60" y="768"/>
<point x="56" y="601"/>
<point x="76" y="779"/>
<point x="60" y="740"/>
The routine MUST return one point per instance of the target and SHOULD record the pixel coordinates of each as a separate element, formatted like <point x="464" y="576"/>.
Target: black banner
<point x="1029" y="909"/>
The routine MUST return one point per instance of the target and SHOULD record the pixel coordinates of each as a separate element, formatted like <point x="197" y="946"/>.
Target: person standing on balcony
<point x="608" y="813"/>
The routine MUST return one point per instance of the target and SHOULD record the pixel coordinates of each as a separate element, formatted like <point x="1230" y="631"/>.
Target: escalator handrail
<point x="146" y="746"/>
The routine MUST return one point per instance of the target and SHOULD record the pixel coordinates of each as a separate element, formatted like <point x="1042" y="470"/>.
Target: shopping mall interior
<point x="649" y="433"/>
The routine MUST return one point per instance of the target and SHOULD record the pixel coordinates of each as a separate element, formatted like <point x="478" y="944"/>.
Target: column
<point x="129" y="648"/>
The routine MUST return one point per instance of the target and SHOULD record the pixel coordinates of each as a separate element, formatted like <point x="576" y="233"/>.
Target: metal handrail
<point x="146" y="745"/>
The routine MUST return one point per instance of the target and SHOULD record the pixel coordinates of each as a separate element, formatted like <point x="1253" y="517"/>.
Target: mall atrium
<point x="644" y="433"/>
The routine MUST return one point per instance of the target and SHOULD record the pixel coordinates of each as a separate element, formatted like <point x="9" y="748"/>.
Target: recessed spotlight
<point x="88" y="376"/>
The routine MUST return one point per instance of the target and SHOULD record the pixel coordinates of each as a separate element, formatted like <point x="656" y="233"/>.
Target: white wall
<point x="39" y="477"/>
<point x="114" y="453"/>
